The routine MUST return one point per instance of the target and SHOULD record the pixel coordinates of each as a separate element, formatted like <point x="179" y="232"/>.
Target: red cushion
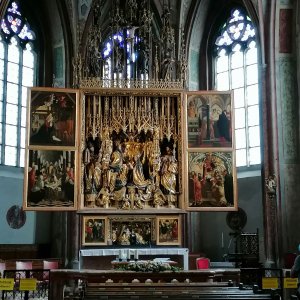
<point x="203" y="263"/>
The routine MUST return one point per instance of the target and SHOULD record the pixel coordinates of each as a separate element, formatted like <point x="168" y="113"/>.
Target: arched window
<point x="121" y="64"/>
<point x="236" y="68"/>
<point x="17" y="72"/>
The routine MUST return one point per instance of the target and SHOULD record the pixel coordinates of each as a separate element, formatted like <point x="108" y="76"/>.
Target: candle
<point x="136" y="255"/>
<point x="128" y="254"/>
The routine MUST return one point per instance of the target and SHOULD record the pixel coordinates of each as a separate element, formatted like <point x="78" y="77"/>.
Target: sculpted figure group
<point x="127" y="171"/>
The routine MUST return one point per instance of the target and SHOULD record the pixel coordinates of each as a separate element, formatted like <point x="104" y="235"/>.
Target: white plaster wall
<point x="211" y="225"/>
<point x="11" y="193"/>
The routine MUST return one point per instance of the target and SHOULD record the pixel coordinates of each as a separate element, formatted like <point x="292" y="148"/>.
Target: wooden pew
<point x="208" y="291"/>
<point x="67" y="280"/>
<point x="120" y="285"/>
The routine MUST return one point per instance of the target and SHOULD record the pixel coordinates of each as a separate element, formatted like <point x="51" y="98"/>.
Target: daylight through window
<point x="236" y="68"/>
<point x="17" y="72"/>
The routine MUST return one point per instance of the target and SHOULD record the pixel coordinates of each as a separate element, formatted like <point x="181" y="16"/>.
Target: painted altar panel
<point x="210" y="170"/>
<point x="209" y="119"/>
<point x="52" y="117"/>
<point x="211" y="183"/>
<point x="51" y="167"/>
<point x="50" y="181"/>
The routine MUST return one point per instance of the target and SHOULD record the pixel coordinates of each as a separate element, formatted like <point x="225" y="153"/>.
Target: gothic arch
<point x="209" y="16"/>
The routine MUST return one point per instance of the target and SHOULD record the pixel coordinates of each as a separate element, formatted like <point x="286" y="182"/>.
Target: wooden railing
<point x="42" y="284"/>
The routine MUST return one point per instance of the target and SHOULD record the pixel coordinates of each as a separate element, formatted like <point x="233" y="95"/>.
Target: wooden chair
<point x="47" y="266"/>
<point x="23" y="265"/>
<point x="202" y="263"/>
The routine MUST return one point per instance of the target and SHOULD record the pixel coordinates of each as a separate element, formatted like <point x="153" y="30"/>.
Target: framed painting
<point x="168" y="230"/>
<point x="132" y="231"/>
<point x="52" y="117"/>
<point x="211" y="181"/>
<point x="209" y="119"/>
<point x="94" y="230"/>
<point x="50" y="180"/>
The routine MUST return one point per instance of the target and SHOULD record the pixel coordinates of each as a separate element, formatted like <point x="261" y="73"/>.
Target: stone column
<point x="270" y="167"/>
<point x="288" y="123"/>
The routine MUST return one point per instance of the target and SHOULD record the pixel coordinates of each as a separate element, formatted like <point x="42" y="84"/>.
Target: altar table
<point x="141" y="251"/>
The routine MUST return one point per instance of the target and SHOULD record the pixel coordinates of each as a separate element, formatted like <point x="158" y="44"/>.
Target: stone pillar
<point x="288" y="123"/>
<point x="270" y="166"/>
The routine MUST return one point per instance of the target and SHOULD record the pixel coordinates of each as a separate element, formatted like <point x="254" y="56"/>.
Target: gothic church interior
<point x="185" y="48"/>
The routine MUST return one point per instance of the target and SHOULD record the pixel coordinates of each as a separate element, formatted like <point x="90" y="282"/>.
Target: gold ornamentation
<point x="130" y="159"/>
<point x="100" y="83"/>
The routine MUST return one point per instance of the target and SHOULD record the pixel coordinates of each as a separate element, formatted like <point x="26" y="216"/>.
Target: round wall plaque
<point x="16" y="217"/>
<point x="236" y="220"/>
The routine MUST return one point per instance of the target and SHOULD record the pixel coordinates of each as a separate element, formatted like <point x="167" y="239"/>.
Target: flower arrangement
<point x="148" y="266"/>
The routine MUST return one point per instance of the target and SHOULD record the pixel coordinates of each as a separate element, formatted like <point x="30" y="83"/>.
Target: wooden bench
<point x="63" y="280"/>
<point x="120" y="285"/>
<point x="209" y="291"/>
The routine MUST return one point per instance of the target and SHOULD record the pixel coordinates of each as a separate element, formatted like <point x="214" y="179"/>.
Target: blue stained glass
<point x="14" y="9"/>
<point x="224" y="40"/>
<point x="107" y="50"/>
<point x="249" y="32"/>
<point x="236" y="16"/>
<point x="119" y="39"/>
<point x="237" y="28"/>
<point x="15" y="23"/>
<point x="4" y="27"/>
<point x="26" y="33"/>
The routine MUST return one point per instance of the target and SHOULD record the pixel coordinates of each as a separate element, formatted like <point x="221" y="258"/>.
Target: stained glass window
<point x="113" y="52"/>
<point x="236" y="68"/>
<point x="17" y="72"/>
<point x="13" y="23"/>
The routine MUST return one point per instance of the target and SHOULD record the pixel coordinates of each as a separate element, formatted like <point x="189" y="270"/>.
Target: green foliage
<point x="148" y="266"/>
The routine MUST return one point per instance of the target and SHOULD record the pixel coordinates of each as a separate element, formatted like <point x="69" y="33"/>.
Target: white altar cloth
<point x="141" y="251"/>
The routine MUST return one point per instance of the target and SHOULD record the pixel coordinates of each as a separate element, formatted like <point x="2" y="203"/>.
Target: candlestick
<point x="136" y="255"/>
<point x="128" y="254"/>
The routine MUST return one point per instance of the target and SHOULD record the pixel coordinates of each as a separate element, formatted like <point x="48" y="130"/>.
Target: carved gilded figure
<point x="123" y="162"/>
